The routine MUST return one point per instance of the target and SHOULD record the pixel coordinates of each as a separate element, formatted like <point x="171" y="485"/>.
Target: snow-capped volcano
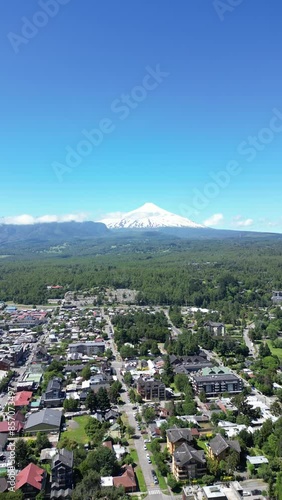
<point x="149" y="216"/>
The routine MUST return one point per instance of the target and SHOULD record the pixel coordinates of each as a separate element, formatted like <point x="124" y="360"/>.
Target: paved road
<point x="252" y="348"/>
<point x="175" y="330"/>
<point x="153" y="490"/>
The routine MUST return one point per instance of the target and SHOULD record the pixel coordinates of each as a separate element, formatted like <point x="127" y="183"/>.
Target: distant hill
<point x="44" y="235"/>
<point x="52" y="232"/>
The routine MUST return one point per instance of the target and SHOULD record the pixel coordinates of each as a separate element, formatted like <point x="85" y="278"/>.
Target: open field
<point x="275" y="351"/>
<point x="76" y="430"/>
<point x="138" y="471"/>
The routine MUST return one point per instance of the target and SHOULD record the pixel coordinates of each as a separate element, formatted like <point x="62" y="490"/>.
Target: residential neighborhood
<point x="164" y="423"/>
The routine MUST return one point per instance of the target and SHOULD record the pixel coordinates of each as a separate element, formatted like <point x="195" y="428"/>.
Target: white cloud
<point x="113" y="215"/>
<point x="269" y="223"/>
<point x="214" y="220"/>
<point x="29" y="219"/>
<point x="239" y="222"/>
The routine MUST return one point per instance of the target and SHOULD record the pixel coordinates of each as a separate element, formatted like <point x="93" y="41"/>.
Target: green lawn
<point x="162" y="482"/>
<point x="138" y="471"/>
<point x="274" y="351"/>
<point x="78" y="434"/>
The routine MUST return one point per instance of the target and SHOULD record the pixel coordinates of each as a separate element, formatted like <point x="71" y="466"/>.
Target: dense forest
<point x="201" y="273"/>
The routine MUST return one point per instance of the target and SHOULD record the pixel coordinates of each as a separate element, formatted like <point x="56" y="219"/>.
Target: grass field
<point x="274" y="351"/>
<point x="78" y="433"/>
<point x="138" y="471"/>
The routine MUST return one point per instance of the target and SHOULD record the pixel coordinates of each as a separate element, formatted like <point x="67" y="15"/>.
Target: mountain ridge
<point x="51" y="231"/>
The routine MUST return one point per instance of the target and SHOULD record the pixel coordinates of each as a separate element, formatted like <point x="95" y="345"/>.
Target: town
<point x="120" y="400"/>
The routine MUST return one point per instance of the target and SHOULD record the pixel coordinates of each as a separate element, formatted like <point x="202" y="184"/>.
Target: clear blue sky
<point x="223" y="82"/>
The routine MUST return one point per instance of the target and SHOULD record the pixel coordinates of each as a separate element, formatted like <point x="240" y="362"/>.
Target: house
<point x="111" y="416"/>
<point x="22" y="399"/>
<point x="154" y="430"/>
<point x="46" y="420"/>
<point x="62" y="474"/>
<point x="176" y="436"/>
<point x="217" y="329"/>
<point x="188" y="364"/>
<point x="215" y="381"/>
<point x="126" y="480"/>
<point x="276" y="297"/>
<point x="108" y="444"/>
<point x="257" y="460"/>
<point x="53" y="396"/>
<point x="151" y="389"/>
<point x="119" y="451"/>
<point x="31" y="480"/>
<point x="47" y="454"/>
<point x="99" y="380"/>
<point x="18" y="424"/>
<point x="114" y="431"/>
<point x="219" y="447"/>
<point x="188" y="463"/>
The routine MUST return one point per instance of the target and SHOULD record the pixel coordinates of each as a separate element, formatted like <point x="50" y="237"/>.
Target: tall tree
<point x="103" y="400"/>
<point x="22" y="454"/>
<point x="91" y="402"/>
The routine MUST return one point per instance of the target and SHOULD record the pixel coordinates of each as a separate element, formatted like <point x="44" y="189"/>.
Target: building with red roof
<point x="127" y="480"/>
<point x="108" y="444"/>
<point x="31" y="480"/>
<point x="22" y="399"/>
<point x="5" y="426"/>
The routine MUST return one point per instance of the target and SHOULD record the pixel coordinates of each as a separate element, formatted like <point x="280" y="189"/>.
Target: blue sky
<point x="185" y="99"/>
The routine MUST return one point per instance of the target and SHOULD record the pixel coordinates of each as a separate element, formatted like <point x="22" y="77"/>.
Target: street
<point x="252" y="348"/>
<point x="127" y="408"/>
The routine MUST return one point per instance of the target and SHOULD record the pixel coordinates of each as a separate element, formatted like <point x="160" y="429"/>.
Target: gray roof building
<point x="188" y="463"/>
<point x="44" y="420"/>
<point x="186" y="453"/>
<point x="178" y="434"/>
<point x="64" y="456"/>
<point x="220" y="446"/>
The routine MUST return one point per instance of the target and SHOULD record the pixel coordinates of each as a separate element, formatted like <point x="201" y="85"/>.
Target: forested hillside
<point x="204" y="274"/>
